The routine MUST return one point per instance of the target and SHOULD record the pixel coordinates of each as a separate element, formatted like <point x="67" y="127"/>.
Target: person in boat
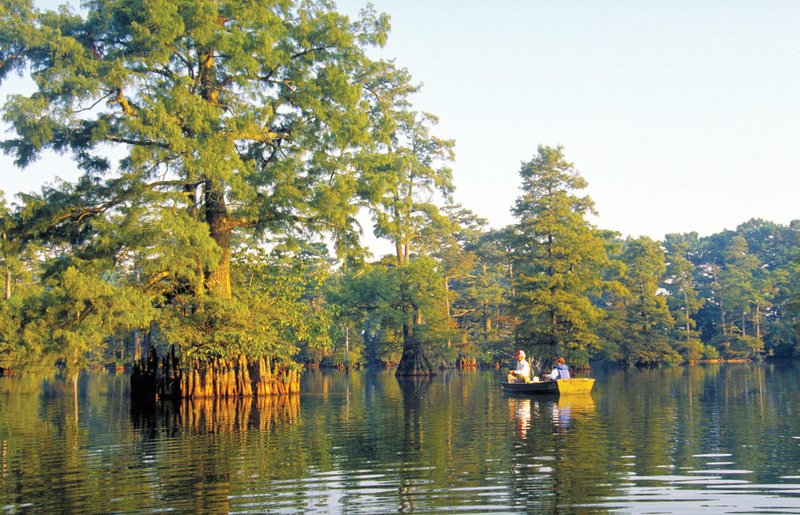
<point x="560" y="371"/>
<point x="521" y="374"/>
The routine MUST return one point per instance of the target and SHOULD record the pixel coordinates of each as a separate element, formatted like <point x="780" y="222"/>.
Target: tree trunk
<point x="688" y="325"/>
<point x="413" y="362"/>
<point x="447" y="306"/>
<point x="176" y="377"/>
<point x="487" y="321"/>
<point x="758" y="322"/>
<point x="137" y="345"/>
<point x="219" y="279"/>
<point x="8" y="271"/>
<point x="173" y="378"/>
<point x="721" y="301"/>
<point x="744" y="329"/>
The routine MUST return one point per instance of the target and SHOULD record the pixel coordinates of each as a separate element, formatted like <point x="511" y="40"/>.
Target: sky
<point x="682" y="116"/>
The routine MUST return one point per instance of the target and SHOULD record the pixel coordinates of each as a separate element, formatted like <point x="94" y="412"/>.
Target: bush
<point x="710" y="352"/>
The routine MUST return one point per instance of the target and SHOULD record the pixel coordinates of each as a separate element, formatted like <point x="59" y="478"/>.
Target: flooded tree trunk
<point x="168" y="378"/>
<point x="413" y="361"/>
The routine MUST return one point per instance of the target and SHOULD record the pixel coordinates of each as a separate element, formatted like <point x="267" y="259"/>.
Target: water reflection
<point x="715" y="439"/>
<point x="568" y="407"/>
<point x="210" y="416"/>
<point x="527" y="409"/>
<point x="414" y="390"/>
<point x="521" y="410"/>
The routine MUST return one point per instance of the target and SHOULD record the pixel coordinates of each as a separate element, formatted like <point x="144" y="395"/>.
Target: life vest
<point x="563" y="371"/>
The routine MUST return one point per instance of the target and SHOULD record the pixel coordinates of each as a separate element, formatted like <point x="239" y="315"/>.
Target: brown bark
<point x="218" y="280"/>
<point x="137" y="345"/>
<point x="398" y="249"/>
<point x="221" y="378"/>
<point x="688" y="325"/>
<point x="413" y="362"/>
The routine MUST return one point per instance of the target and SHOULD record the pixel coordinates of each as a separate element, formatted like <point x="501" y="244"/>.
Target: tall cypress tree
<point x="559" y="258"/>
<point x="231" y="120"/>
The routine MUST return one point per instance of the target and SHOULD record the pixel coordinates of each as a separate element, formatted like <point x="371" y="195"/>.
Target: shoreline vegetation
<point x="231" y="160"/>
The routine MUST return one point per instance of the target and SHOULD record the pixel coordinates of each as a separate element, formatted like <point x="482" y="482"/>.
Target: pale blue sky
<point x="682" y="115"/>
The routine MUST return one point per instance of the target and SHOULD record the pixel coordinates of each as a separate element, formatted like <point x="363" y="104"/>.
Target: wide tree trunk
<point x="170" y="378"/>
<point x="413" y="361"/>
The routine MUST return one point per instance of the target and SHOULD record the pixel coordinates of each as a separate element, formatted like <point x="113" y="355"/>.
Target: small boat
<point x="561" y="386"/>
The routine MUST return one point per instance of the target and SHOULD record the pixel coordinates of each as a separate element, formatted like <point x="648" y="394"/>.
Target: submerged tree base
<point x="168" y="378"/>
<point x="414" y="363"/>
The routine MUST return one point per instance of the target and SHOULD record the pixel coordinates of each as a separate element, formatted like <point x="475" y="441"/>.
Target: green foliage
<point x="367" y="299"/>
<point x="559" y="258"/>
<point x="422" y="288"/>
<point x="479" y="285"/>
<point x="383" y="301"/>
<point x="234" y="120"/>
<point x="277" y="309"/>
<point x="247" y="131"/>
<point x="683" y="298"/>
<point x="10" y="327"/>
<point x="744" y="278"/>
<point x="710" y="352"/>
<point x="647" y="319"/>
<point x="77" y="311"/>
<point x="738" y="346"/>
<point x="691" y="350"/>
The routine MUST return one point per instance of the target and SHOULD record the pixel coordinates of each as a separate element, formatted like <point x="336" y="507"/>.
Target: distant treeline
<point x="553" y="284"/>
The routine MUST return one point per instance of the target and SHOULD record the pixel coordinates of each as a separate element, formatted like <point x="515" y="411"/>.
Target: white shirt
<point x="523" y="369"/>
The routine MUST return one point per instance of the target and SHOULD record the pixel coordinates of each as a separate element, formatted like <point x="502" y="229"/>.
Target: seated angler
<point x="560" y="371"/>
<point x="522" y="373"/>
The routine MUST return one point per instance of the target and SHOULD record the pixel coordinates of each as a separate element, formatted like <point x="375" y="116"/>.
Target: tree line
<point x="554" y="284"/>
<point x="228" y="154"/>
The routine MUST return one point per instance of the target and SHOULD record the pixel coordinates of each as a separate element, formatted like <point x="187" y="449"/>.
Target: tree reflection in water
<point x="214" y="415"/>
<point x="365" y="442"/>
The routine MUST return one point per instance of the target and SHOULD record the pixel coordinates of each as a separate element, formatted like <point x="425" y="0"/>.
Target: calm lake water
<point x="700" y="439"/>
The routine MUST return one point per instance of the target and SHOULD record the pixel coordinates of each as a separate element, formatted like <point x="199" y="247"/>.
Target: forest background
<point x="229" y="156"/>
